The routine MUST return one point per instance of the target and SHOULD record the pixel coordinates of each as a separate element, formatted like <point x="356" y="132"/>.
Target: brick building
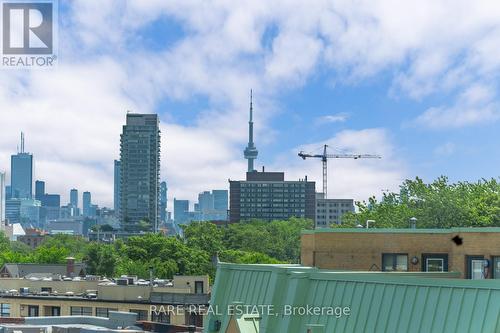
<point x="473" y="252"/>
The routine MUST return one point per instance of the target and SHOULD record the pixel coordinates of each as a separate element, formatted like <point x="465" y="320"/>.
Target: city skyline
<point x="428" y="107"/>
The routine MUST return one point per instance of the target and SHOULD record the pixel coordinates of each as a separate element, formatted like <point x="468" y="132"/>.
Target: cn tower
<point x="250" y="152"/>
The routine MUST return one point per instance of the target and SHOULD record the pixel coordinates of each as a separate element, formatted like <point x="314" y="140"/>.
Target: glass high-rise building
<point x="39" y="189"/>
<point x="205" y="201"/>
<point x="21" y="167"/>
<point x="220" y="200"/>
<point x="163" y="201"/>
<point x="87" y="202"/>
<point x="140" y="172"/>
<point x="117" y="180"/>
<point x="73" y="197"/>
<point x="181" y="211"/>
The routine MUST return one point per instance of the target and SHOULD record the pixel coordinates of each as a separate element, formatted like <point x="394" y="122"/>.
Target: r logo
<point x="27" y="27"/>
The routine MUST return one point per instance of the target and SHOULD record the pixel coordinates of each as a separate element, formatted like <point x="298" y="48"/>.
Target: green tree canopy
<point x="439" y="204"/>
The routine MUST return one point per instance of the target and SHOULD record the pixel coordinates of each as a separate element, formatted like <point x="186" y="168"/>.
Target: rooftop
<point x="376" y="301"/>
<point x="401" y="231"/>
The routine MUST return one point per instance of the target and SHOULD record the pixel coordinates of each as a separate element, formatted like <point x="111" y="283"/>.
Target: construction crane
<point x="324" y="158"/>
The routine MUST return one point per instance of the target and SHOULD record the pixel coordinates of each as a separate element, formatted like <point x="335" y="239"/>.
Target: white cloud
<point x="332" y="118"/>
<point x="73" y="115"/>
<point x="446" y="149"/>
<point x="476" y="105"/>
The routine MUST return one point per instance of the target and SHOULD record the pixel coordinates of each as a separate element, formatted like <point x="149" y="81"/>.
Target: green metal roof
<point x="402" y="231"/>
<point x="378" y="301"/>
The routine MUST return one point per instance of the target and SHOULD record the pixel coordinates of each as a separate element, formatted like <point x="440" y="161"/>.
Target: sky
<point x="416" y="82"/>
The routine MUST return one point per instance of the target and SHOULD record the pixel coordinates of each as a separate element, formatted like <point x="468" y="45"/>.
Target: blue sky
<point x="415" y="82"/>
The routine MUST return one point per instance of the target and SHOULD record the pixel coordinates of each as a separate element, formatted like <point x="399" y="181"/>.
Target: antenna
<point x="251" y="106"/>
<point x="22" y="142"/>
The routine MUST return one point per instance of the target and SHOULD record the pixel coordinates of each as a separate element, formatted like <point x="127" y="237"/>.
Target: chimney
<point x="263" y="169"/>
<point x="70" y="266"/>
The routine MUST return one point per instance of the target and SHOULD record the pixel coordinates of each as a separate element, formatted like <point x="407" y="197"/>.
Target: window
<point x="475" y="267"/>
<point x="160" y="317"/>
<point x="198" y="287"/>
<point x="81" y="311"/>
<point x="434" y="262"/>
<point x="4" y="310"/>
<point x="394" y="262"/>
<point x="495" y="267"/>
<point x="33" y="311"/>
<point x="141" y="314"/>
<point x="55" y="311"/>
<point x="103" y="312"/>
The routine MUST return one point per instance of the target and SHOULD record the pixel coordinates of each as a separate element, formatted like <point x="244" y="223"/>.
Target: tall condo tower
<point x="139" y="173"/>
<point x="250" y="152"/>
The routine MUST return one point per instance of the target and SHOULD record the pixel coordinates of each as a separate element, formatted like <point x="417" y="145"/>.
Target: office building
<point x="163" y="202"/>
<point x="140" y="172"/>
<point x="2" y="199"/>
<point x="51" y="208"/>
<point x="39" y="190"/>
<point x="116" y="188"/>
<point x="21" y="166"/>
<point x="87" y="203"/>
<point x="330" y="211"/>
<point x="267" y="196"/>
<point x="211" y="206"/>
<point x="13" y="210"/>
<point x="51" y="200"/>
<point x="8" y="193"/>
<point x="73" y="197"/>
<point x="205" y="201"/>
<point x="181" y="211"/>
<point x="23" y="210"/>
<point x="220" y="200"/>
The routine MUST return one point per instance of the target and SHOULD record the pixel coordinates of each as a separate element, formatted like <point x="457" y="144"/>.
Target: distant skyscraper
<point x="39" y="189"/>
<point x="140" y="172"/>
<point x="163" y="201"/>
<point x="21" y="166"/>
<point x="23" y="210"/>
<point x="73" y="197"/>
<point x="220" y="200"/>
<point x="117" y="179"/>
<point x="87" y="202"/>
<point x="2" y="199"/>
<point x="250" y="151"/>
<point x="205" y="201"/>
<point x="181" y="211"/>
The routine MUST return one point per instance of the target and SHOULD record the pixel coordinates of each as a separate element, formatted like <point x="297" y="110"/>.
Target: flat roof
<point x="401" y="231"/>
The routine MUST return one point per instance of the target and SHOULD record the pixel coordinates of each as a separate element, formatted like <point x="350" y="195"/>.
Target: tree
<point x="435" y="205"/>
<point x="205" y="236"/>
<point x="101" y="259"/>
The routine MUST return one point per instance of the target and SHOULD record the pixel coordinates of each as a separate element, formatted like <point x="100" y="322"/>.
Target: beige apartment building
<point x="472" y="252"/>
<point x="171" y="303"/>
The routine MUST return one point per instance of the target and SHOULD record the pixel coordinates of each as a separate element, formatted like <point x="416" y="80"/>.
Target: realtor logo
<point x="28" y="33"/>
